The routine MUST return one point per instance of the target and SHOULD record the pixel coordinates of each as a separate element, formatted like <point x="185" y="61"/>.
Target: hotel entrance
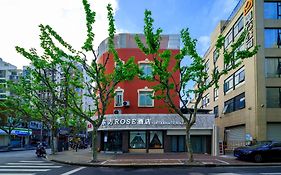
<point x="112" y="141"/>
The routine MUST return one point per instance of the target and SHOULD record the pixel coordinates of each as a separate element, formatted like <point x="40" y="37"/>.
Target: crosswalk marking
<point x="27" y="166"/>
<point x="73" y="171"/>
<point x="16" y="174"/>
<point x="24" y="170"/>
<point x="29" y="163"/>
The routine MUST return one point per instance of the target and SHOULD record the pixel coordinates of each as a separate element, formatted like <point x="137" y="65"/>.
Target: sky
<point x="19" y="20"/>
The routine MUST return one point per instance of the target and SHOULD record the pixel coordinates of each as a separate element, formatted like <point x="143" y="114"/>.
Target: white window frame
<point x="237" y="81"/>
<point x="115" y="63"/>
<point x="230" y="80"/>
<point x="146" y="62"/>
<point x="146" y="89"/>
<point x="122" y="98"/>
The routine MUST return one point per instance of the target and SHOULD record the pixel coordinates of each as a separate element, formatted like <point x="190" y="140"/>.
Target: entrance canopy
<point x="152" y="122"/>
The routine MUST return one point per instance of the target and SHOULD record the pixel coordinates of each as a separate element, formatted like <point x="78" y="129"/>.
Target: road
<point x="26" y="163"/>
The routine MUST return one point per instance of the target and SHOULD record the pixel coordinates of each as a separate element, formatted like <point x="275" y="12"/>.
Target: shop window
<point x="273" y="67"/>
<point x="138" y="139"/>
<point x="156" y="139"/>
<point x="272" y="10"/>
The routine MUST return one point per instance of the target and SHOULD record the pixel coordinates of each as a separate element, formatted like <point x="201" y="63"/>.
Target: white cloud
<point x="203" y="44"/>
<point x="20" y="19"/>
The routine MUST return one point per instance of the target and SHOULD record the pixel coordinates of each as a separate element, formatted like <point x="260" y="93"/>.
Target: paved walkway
<point x="83" y="158"/>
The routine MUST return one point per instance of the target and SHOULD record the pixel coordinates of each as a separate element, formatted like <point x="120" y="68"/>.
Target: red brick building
<point x="135" y="122"/>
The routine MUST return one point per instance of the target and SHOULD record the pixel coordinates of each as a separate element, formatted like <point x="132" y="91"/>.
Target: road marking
<point x="29" y="164"/>
<point x="270" y="173"/>
<point x="15" y="174"/>
<point x="24" y="170"/>
<point x="29" y="161"/>
<point x="24" y="166"/>
<point x="73" y="171"/>
<point x="222" y="161"/>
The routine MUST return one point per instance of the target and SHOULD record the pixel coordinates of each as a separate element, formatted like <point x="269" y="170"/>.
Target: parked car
<point x="262" y="151"/>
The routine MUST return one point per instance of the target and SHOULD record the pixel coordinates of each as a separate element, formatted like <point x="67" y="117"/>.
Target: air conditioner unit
<point x="126" y="103"/>
<point x="117" y="111"/>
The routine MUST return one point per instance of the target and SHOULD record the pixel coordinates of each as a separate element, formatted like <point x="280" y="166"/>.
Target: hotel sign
<point x="151" y="121"/>
<point x="248" y="6"/>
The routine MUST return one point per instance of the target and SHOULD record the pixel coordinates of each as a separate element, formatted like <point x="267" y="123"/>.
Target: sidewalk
<point x="83" y="158"/>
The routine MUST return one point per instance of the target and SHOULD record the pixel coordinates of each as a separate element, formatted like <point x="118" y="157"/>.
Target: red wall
<point x="131" y="87"/>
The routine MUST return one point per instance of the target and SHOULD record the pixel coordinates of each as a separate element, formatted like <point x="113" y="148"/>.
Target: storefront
<point x="19" y="137"/>
<point x="154" y="133"/>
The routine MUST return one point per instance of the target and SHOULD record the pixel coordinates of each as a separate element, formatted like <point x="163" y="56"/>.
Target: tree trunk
<point x="94" y="144"/>
<point x="188" y="143"/>
<point x="53" y="151"/>
<point x="9" y="141"/>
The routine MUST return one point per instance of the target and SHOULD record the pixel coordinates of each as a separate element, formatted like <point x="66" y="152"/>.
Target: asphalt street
<point x="26" y="163"/>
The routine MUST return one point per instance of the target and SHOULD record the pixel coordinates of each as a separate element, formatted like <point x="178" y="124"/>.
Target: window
<point x="228" y="39"/>
<point x="145" y="99"/>
<point x="118" y="100"/>
<point x="228" y="84"/>
<point x="207" y="66"/>
<point x="272" y="10"/>
<point x="215" y="56"/>
<point x="234" y="104"/>
<point x="138" y="139"/>
<point x="228" y="106"/>
<point x="146" y="68"/>
<point x="241" y="48"/>
<point x="2" y="74"/>
<point x="273" y="97"/>
<point x="239" y="102"/>
<point x="272" y="38"/>
<point x="206" y="101"/>
<point x="234" y="80"/>
<point x="216" y="94"/>
<point x="273" y="67"/>
<point x="156" y="139"/>
<point x="238" y="26"/>
<point x="239" y="76"/>
<point x="216" y="111"/>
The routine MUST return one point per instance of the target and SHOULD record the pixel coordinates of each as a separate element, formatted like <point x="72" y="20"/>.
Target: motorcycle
<point x="40" y="151"/>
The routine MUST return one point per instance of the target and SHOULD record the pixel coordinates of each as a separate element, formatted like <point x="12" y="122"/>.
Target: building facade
<point x="20" y="135"/>
<point x="247" y="104"/>
<point x="134" y="121"/>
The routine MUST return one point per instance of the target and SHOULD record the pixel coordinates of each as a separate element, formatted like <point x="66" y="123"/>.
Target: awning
<point x="152" y="122"/>
<point x="18" y="132"/>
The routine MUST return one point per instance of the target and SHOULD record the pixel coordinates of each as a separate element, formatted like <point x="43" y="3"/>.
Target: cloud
<point x="20" y="19"/>
<point x="203" y="44"/>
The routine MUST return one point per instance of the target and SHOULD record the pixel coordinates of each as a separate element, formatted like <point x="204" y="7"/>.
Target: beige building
<point x="247" y="103"/>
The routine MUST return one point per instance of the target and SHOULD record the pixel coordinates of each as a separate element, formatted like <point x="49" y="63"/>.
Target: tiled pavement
<point x="83" y="157"/>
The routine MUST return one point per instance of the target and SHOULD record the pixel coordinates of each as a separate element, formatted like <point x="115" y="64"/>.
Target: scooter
<point x="40" y="151"/>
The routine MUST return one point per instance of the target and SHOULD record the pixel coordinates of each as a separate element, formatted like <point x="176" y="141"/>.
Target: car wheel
<point x="258" y="158"/>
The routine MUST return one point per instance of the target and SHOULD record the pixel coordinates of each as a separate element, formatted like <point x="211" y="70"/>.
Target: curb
<point x="152" y="165"/>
